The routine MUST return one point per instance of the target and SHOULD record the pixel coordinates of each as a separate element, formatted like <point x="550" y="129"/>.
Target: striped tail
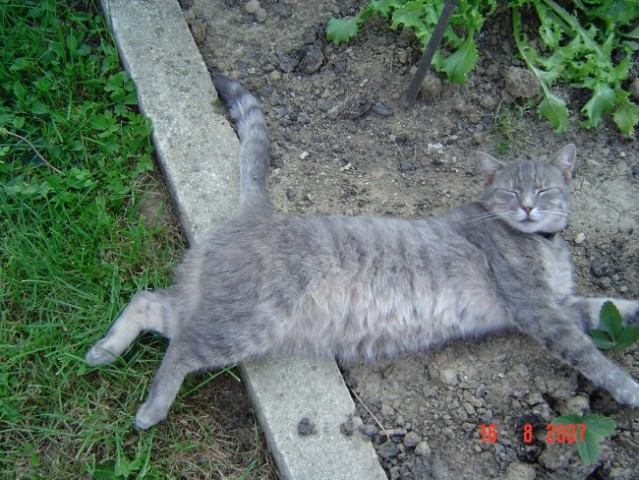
<point x="254" y="140"/>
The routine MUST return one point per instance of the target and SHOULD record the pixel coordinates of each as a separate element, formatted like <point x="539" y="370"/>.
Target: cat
<point x="364" y="287"/>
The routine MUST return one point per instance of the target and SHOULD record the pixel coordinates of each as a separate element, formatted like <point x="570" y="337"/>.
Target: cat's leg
<point x="587" y="309"/>
<point x="147" y="311"/>
<point x="567" y="341"/>
<point x="176" y="364"/>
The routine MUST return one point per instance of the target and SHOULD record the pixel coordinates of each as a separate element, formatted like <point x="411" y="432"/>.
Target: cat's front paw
<point x="629" y="395"/>
<point x="98" y="355"/>
<point x="148" y="416"/>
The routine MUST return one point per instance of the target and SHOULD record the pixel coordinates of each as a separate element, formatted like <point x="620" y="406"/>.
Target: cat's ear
<point x="488" y="166"/>
<point x="564" y="160"/>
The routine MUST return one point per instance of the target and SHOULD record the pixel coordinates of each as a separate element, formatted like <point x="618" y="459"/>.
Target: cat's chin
<point x="531" y="226"/>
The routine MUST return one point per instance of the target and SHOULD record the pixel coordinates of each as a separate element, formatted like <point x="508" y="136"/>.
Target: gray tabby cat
<point x="368" y="287"/>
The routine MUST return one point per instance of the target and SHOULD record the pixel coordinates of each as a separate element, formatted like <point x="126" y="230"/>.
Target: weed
<point x="510" y="127"/>
<point x="587" y="432"/>
<point x="590" y="46"/>
<point x="612" y="334"/>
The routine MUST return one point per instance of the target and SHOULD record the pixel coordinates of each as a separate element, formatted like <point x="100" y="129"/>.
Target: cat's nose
<point x="527" y="210"/>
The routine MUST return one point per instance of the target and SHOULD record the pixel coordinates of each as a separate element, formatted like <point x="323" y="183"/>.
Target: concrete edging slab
<point x="198" y="151"/>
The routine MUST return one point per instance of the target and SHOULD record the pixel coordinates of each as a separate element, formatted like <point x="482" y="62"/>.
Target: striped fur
<point x="362" y="287"/>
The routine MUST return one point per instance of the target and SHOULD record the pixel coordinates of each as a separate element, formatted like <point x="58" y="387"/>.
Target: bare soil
<point x="343" y="143"/>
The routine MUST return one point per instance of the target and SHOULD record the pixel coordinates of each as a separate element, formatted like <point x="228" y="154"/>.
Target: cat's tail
<point x="254" y="140"/>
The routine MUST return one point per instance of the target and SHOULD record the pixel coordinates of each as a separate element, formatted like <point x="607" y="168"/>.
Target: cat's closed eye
<point x="548" y="192"/>
<point x="505" y="196"/>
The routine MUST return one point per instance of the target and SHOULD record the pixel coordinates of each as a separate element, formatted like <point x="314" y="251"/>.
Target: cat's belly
<point x="370" y="322"/>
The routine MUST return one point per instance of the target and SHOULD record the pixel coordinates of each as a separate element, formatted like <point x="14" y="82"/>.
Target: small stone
<point x="387" y="411"/>
<point x="333" y="112"/>
<point x="520" y="83"/>
<point x="382" y="110"/>
<point x="431" y="87"/>
<point x="435" y="148"/>
<point x="311" y="59"/>
<point x="348" y="427"/>
<point x="305" y="427"/>
<point x="368" y="430"/>
<point x="488" y="102"/>
<point x="422" y="449"/>
<point x="580" y="238"/>
<point x="388" y="450"/>
<point x="520" y="471"/>
<point x="411" y="439"/>
<point x="578" y="404"/>
<point x="261" y="15"/>
<point x="304" y="155"/>
<point x="252" y="6"/>
<point x="275" y="75"/>
<point x="198" y="30"/>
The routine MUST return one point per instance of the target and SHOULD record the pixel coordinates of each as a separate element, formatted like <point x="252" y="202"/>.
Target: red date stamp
<point x="555" y="433"/>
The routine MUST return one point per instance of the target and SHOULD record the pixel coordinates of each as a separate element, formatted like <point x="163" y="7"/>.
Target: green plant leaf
<point x="410" y="15"/>
<point x="601" y="339"/>
<point x="385" y="7"/>
<point x="628" y="336"/>
<point x="462" y="61"/>
<point x="589" y="448"/>
<point x="601" y="102"/>
<point x="340" y="30"/>
<point x="626" y="116"/>
<point x="610" y="320"/>
<point x="554" y="109"/>
<point x="599" y="425"/>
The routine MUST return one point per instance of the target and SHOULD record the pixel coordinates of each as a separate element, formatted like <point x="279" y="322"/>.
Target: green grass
<point x="75" y="166"/>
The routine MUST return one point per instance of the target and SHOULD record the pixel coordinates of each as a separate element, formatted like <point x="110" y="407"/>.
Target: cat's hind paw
<point x="98" y="355"/>
<point x="147" y="416"/>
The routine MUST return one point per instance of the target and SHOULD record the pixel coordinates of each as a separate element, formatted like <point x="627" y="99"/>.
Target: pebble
<point x="387" y="411"/>
<point x="579" y="404"/>
<point x="368" y="430"/>
<point x="422" y="449"/>
<point x="261" y="15"/>
<point x="520" y="83"/>
<point x="520" y="471"/>
<point x="488" y="102"/>
<point x="388" y="450"/>
<point x="431" y="87"/>
<point x="382" y="110"/>
<point x="580" y="238"/>
<point x="305" y="427"/>
<point x="252" y="6"/>
<point x="304" y="155"/>
<point x="411" y="439"/>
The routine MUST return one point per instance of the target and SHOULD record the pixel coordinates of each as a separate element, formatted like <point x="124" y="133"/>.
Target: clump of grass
<point x="511" y="127"/>
<point x="75" y="164"/>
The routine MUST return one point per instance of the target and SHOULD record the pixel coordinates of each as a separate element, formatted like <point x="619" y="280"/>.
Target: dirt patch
<point x="342" y="143"/>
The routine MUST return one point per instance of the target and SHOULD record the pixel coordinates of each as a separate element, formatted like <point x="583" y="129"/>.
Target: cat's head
<point x="530" y="196"/>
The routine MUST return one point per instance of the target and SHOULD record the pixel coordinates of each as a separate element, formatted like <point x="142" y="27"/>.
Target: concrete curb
<point x="303" y="405"/>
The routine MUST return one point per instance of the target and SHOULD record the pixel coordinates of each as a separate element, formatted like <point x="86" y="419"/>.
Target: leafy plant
<point x="612" y="334"/>
<point x="422" y="16"/>
<point x="596" y="428"/>
<point x="589" y="46"/>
